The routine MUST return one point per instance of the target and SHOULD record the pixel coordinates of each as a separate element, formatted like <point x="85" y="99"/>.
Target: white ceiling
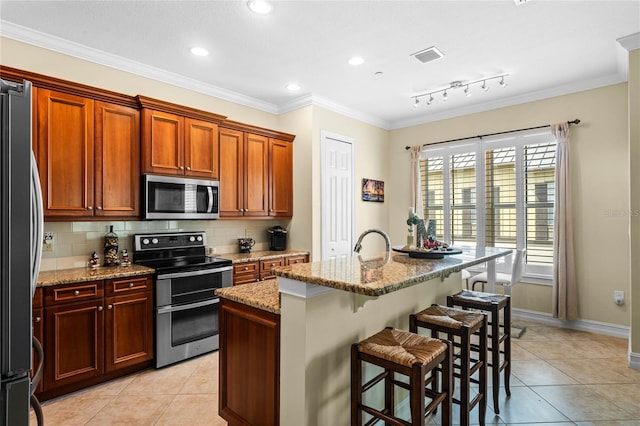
<point x="548" y="48"/>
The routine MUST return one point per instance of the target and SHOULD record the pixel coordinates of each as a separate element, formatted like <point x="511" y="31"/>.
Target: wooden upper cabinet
<point x="178" y="140"/>
<point x="256" y="161"/>
<point x="280" y="178"/>
<point x="231" y="172"/>
<point x="201" y="149"/>
<point x="117" y="160"/>
<point x="65" y="153"/>
<point x="162" y="142"/>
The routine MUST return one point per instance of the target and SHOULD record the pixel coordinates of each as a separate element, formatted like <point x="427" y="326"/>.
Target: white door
<point x="337" y="195"/>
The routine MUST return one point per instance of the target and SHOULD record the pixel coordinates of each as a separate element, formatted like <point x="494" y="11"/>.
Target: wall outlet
<point x="47" y="241"/>
<point x="618" y="297"/>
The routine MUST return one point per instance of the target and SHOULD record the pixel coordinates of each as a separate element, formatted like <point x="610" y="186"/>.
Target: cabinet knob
<point x="99" y="208"/>
<point x="38" y="319"/>
<point x="110" y="307"/>
<point x="246" y="268"/>
<point x="273" y="264"/>
<point x="90" y="208"/>
<point x="188" y="168"/>
<point x="130" y="285"/>
<point x="100" y="308"/>
<point x="270" y="210"/>
<point x="77" y="292"/>
<point x="181" y="167"/>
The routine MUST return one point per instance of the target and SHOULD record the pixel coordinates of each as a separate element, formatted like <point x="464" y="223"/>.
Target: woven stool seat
<point x="449" y="317"/>
<point x="480" y="297"/>
<point x="457" y="326"/>
<point x="402" y="347"/>
<point x="498" y="335"/>
<point x="421" y="359"/>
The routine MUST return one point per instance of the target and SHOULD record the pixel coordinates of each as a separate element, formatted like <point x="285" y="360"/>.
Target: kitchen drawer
<point x="292" y="260"/>
<point x="128" y="285"/>
<point x="267" y="265"/>
<point x="76" y="292"/>
<point x="246" y="272"/>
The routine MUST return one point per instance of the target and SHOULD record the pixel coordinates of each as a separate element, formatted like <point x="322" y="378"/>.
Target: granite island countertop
<point x="261" y="294"/>
<point x="379" y="276"/>
<point x="75" y="275"/>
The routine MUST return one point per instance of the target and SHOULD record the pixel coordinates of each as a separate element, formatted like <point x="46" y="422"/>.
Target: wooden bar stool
<point x="420" y="358"/>
<point x="459" y="325"/>
<point x="498" y="335"/>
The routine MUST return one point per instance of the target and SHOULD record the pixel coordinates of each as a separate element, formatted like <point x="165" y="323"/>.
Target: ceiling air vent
<point x="428" y="55"/>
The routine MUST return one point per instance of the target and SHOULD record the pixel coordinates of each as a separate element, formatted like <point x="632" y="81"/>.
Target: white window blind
<point x="496" y="192"/>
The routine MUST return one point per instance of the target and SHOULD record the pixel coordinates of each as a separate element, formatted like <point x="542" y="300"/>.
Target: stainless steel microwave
<point x="168" y="197"/>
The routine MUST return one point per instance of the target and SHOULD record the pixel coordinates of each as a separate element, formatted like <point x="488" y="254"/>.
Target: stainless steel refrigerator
<point x="21" y="235"/>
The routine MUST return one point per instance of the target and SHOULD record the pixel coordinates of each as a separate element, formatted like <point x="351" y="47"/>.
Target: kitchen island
<point x="326" y="306"/>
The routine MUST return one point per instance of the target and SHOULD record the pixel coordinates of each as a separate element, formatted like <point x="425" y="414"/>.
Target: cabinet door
<point x="280" y="178"/>
<point x="129" y="330"/>
<point x="246" y="272"/>
<point x="267" y="265"/>
<point x="231" y="172"/>
<point x="201" y="149"/>
<point x="65" y="153"/>
<point x="74" y="343"/>
<point x="256" y="156"/>
<point x="162" y="143"/>
<point x="38" y="333"/>
<point x="117" y="160"/>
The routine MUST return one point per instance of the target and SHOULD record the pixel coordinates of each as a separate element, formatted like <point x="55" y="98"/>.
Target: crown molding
<point x="76" y="50"/>
<point x="578" y="86"/>
<point x="314" y="100"/>
<point x="630" y="42"/>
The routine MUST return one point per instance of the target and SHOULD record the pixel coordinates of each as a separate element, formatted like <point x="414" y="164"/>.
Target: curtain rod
<point x="576" y="121"/>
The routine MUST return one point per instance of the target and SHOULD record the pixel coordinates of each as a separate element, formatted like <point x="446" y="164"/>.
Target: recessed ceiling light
<point x="199" y="51"/>
<point x="260" y="6"/>
<point x="293" y="86"/>
<point x="356" y="60"/>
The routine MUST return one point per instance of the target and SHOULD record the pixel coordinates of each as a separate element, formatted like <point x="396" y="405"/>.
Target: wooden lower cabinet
<point x="249" y="375"/>
<point x="267" y="265"/>
<point x="246" y="272"/>
<point x="260" y="270"/>
<point x="96" y="331"/>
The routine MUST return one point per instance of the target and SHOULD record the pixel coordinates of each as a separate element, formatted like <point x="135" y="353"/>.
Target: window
<point x="496" y="192"/>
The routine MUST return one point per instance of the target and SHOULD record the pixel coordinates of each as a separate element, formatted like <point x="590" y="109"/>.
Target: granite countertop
<point x="261" y="255"/>
<point x="261" y="294"/>
<point x="375" y="277"/>
<point x="75" y="275"/>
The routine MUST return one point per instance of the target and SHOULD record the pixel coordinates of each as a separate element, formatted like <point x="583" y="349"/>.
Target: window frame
<point x="534" y="273"/>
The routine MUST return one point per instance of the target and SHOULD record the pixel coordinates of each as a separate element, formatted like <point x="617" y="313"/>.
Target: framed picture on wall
<point x="372" y="190"/>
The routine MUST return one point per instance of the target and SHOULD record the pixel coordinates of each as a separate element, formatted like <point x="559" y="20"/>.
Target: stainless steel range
<point x="186" y="306"/>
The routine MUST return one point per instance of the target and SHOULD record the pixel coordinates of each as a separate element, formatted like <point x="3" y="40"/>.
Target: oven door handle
<point x="169" y="309"/>
<point x="194" y="273"/>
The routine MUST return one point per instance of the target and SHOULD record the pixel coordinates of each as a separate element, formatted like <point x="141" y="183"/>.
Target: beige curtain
<point x="416" y="190"/>
<point x="565" y="297"/>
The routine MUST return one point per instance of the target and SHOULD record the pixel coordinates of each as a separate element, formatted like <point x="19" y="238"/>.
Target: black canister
<point x="277" y="238"/>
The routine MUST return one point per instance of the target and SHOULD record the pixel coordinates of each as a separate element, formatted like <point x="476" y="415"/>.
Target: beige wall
<point x="634" y="156"/>
<point x="601" y="188"/>
<point x="370" y="161"/>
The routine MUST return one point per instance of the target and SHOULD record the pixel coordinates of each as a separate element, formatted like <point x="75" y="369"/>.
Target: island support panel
<point x="318" y="326"/>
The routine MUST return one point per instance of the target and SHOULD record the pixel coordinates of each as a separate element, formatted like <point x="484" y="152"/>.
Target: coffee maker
<point x="277" y="238"/>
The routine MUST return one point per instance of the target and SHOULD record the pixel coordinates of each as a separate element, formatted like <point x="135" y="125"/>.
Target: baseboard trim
<point x="634" y="360"/>
<point x="582" y="325"/>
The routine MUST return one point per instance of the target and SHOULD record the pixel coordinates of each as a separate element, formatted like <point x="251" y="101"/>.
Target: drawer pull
<point x="100" y="308"/>
<point x="273" y="264"/>
<point x="110" y="306"/>
<point x="246" y="268"/>
<point x="77" y="292"/>
<point x="130" y="285"/>
<point x="38" y="319"/>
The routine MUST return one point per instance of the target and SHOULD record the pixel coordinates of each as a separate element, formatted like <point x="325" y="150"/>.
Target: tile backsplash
<point x="75" y="241"/>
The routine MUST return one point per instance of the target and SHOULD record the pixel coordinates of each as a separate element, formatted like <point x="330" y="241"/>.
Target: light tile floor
<point x="559" y="377"/>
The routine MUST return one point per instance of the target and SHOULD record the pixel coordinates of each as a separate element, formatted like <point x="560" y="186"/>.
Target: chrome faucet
<point x="358" y="245"/>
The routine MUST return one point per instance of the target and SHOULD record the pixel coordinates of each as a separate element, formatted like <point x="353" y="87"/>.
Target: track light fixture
<point x="459" y="84"/>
